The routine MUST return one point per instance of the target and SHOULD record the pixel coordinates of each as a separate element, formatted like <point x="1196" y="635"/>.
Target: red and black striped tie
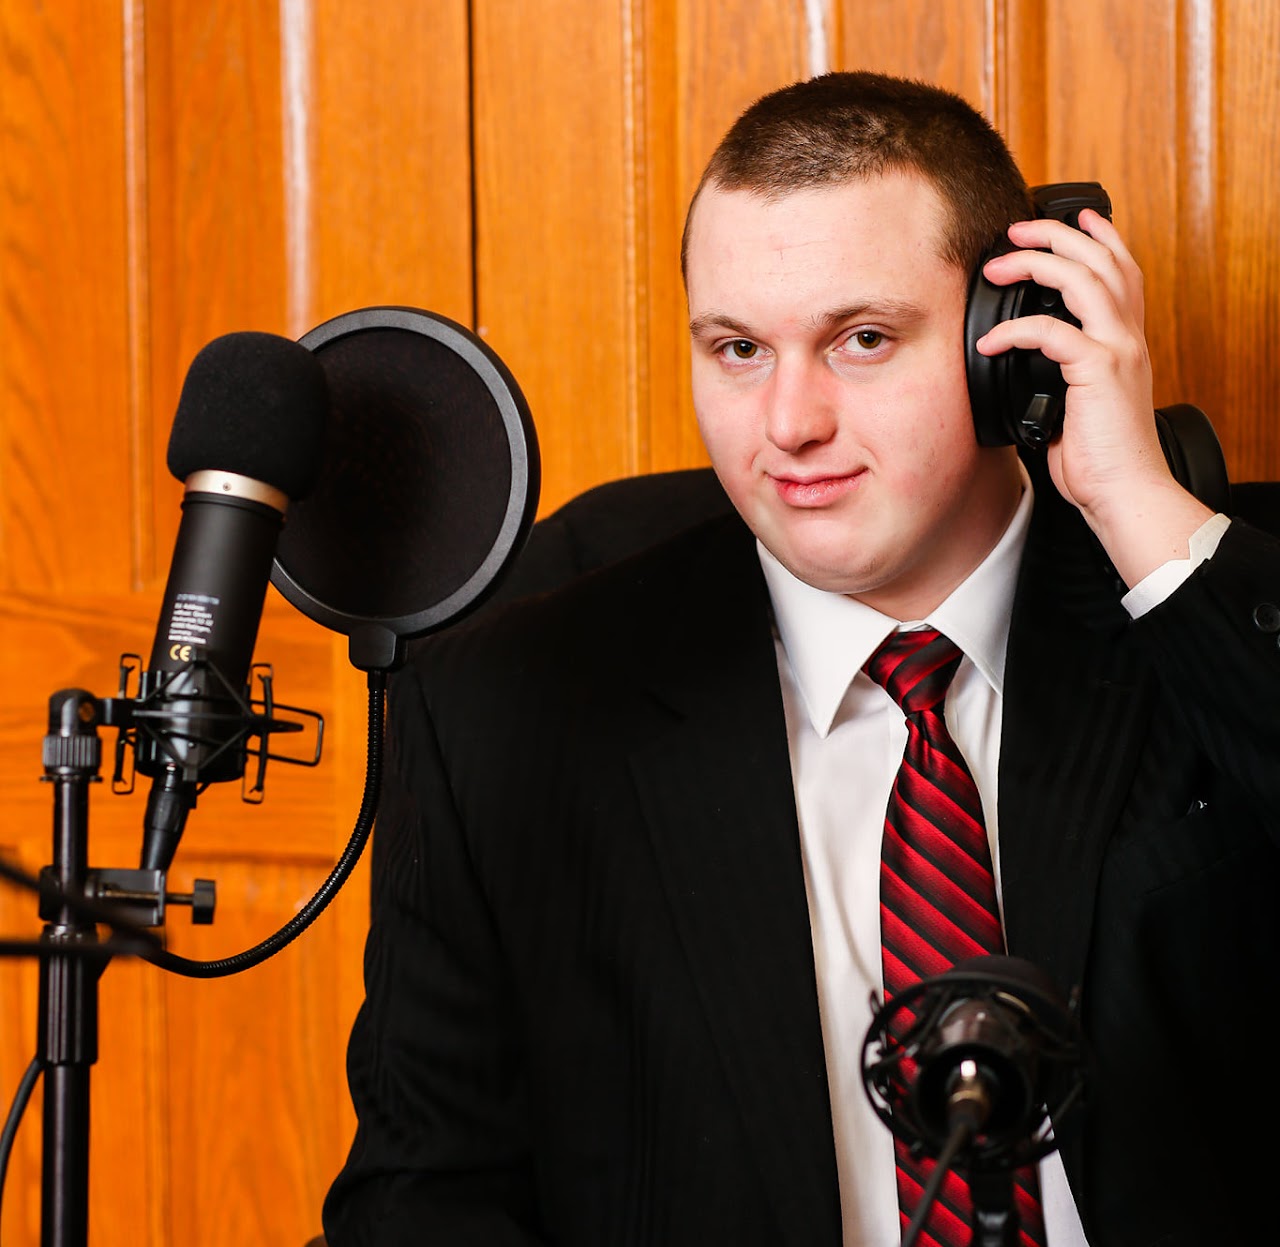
<point x="937" y="891"/>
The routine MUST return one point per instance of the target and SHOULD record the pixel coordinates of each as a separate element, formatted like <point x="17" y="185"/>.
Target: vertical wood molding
<point x="1015" y="75"/>
<point x="297" y="82"/>
<point x="1246" y="227"/>
<point x="637" y="227"/>
<point x="142" y="465"/>
<point x="1200" y="298"/>
<point x="654" y="349"/>
<point x="819" y="22"/>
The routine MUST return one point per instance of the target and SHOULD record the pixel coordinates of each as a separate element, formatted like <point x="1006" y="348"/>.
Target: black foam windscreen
<point x="428" y="487"/>
<point x="254" y="404"/>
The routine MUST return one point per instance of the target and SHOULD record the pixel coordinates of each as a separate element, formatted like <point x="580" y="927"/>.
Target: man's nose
<point x="801" y="406"/>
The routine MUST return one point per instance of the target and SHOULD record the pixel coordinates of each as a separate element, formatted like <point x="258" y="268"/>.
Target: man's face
<point x="829" y="382"/>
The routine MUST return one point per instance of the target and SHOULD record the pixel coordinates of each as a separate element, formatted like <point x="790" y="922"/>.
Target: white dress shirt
<point x="846" y="739"/>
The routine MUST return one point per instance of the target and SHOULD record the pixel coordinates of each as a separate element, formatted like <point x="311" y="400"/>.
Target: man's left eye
<point x="868" y="339"/>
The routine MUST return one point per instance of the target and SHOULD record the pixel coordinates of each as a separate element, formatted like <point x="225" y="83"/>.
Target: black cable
<point x="961" y="1135"/>
<point x="16" y="1110"/>
<point x="328" y="889"/>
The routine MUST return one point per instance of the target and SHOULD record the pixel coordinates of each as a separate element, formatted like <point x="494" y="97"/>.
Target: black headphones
<point x="1018" y="397"/>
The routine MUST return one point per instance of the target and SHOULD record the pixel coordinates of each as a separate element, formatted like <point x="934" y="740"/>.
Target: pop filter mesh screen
<point x="415" y="484"/>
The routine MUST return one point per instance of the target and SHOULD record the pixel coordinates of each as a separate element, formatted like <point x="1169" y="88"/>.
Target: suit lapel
<point x="715" y="791"/>
<point x="1074" y="707"/>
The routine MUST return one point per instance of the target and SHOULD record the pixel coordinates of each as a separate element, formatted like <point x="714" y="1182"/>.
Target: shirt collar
<point x="828" y="637"/>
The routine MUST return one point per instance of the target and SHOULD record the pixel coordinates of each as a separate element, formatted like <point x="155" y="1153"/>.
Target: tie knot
<point x="915" y="668"/>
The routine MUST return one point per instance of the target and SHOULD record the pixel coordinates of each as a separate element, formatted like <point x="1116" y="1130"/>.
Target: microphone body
<point x="989" y="1045"/>
<point x="199" y="666"/>
<point x="247" y="438"/>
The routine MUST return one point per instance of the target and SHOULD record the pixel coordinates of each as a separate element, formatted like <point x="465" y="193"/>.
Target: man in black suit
<point x="625" y="912"/>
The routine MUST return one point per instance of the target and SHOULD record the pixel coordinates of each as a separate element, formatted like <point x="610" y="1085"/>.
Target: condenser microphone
<point x="990" y="1044"/>
<point x="972" y="1067"/>
<point x="247" y="438"/>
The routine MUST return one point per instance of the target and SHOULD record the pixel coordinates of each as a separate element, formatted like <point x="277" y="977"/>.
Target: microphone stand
<point x="75" y="898"/>
<point x="72" y="959"/>
<point x="68" y="1041"/>
<point x="995" y="1223"/>
<point x="995" y="1220"/>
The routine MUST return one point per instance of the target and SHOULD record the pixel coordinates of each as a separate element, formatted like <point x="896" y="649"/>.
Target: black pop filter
<point x="428" y="487"/>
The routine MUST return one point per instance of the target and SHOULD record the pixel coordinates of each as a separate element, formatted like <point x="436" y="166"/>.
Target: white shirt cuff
<point x="1160" y="584"/>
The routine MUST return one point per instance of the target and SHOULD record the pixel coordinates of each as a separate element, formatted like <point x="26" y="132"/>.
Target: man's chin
<point x="830" y="574"/>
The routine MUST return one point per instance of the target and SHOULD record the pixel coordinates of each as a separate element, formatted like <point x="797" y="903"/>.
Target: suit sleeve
<point x="441" y="1152"/>
<point x="1216" y="641"/>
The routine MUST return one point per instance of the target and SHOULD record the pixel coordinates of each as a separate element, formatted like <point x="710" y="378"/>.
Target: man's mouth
<point x="815" y="491"/>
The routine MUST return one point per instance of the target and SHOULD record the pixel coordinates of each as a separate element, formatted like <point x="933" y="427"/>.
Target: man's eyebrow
<point x="717" y="322"/>
<point x="897" y="311"/>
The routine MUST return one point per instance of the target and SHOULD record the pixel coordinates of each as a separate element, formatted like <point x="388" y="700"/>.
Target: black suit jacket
<point x="592" y="1016"/>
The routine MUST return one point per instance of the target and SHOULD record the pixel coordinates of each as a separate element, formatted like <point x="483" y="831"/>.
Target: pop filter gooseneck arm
<point x="259" y="953"/>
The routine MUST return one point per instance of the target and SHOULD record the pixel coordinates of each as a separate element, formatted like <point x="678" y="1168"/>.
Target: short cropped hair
<point x="842" y="127"/>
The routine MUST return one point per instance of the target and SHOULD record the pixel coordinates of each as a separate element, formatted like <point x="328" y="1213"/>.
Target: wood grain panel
<point x="1141" y="97"/>
<point x="65" y="501"/>
<point x="553" y="206"/>
<point x="729" y="55"/>
<point x="391" y="141"/>
<point x="1016" y="80"/>
<point x="18" y="982"/>
<point x="1245" y="265"/>
<point x="216" y="246"/>
<point x="1112" y="99"/>
<point x="946" y="43"/>
<point x="259" y="1151"/>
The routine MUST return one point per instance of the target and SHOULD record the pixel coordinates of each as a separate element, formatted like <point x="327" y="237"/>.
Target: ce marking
<point x="180" y="652"/>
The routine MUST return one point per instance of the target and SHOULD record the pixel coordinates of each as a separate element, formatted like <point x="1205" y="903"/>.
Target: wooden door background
<point x="171" y="170"/>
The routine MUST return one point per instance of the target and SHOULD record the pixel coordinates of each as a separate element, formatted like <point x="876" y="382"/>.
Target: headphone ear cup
<point x="986" y="307"/>
<point x="1017" y="396"/>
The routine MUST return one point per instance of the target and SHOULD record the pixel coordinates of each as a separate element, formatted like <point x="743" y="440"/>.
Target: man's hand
<point x="1107" y="461"/>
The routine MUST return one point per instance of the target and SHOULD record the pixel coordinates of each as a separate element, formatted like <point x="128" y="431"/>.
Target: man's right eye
<point x="741" y="348"/>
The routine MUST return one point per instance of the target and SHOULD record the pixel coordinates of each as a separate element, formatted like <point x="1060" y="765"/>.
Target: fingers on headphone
<point x="1097" y="245"/>
<point x="1096" y="285"/>
<point x="1056" y="339"/>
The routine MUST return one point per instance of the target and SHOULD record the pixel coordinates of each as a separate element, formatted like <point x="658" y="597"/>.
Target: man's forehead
<point x="902" y="196"/>
<point x="867" y="243"/>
